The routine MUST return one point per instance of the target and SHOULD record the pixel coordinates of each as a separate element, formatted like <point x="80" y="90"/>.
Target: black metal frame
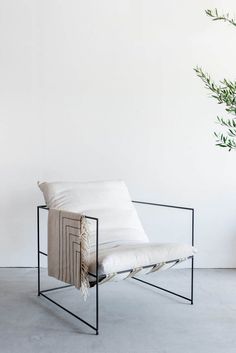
<point x="101" y="277"/>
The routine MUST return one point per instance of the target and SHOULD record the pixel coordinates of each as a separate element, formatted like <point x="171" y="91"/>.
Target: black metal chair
<point x="98" y="278"/>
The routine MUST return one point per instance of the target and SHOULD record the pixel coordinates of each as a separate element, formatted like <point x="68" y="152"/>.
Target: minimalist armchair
<point x="119" y="248"/>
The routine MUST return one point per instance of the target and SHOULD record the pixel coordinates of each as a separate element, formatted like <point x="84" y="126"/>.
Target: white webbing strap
<point x="108" y="277"/>
<point x="179" y="261"/>
<point x="133" y="272"/>
<point x="156" y="267"/>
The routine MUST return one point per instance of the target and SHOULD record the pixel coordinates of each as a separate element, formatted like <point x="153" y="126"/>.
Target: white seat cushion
<point x="109" y="201"/>
<point x="130" y="256"/>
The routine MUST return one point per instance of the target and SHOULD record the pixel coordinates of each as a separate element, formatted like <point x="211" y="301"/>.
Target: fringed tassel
<point x="84" y="281"/>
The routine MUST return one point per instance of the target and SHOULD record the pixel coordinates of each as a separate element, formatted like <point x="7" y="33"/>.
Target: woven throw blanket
<point x="68" y="248"/>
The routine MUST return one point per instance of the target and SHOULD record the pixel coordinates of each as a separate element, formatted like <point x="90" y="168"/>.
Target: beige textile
<point x="68" y="248"/>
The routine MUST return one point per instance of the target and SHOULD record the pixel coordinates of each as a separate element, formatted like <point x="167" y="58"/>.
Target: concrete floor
<point x="134" y="318"/>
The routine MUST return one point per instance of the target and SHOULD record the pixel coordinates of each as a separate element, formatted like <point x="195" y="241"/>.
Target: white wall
<point x="105" y="89"/>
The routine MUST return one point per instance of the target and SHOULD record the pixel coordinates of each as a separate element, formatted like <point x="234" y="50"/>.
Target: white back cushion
<point x="109" y="201"/>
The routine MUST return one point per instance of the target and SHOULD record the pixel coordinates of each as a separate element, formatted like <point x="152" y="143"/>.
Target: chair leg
<point x="97" y="280"/>
<point x="192" y="269"/>
<point x="97" y="309"/>
<point x="38" y="250"/>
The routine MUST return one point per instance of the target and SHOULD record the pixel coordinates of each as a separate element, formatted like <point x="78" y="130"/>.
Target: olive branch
<point x="224" y="93"/>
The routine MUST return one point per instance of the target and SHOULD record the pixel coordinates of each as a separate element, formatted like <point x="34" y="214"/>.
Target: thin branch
<point x="223" y="17"/>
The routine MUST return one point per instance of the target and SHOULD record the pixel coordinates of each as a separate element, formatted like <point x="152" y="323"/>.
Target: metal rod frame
<point x="190" y="257"/>
<point x="98" y="277"/>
